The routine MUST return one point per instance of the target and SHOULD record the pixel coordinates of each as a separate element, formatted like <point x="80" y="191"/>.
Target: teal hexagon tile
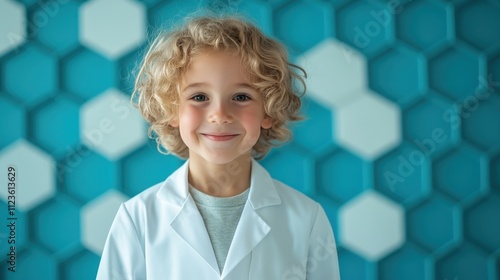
<point x="13" y="22"/>
<point x="167" y="14"/>
<point x="371" y="225"/>
<point x="96" y="219"/>
<point x="56" y="126"/>
<point x="56" y="224"/>
<point x="331" y="208"/>
<point x="366" y="26"/>
<point x="34" y="171"/>
<point x="87" y="74"/>
<point x="31" y="84"/>
<point x="291" y="166"/>
<point x="470" y="164"/>
<point x="424" y="24"/>
<point x="473" y="22"/>
<point x="493" y="80"/>
<point x="32" y="263"/>
<point x="353" y="266"/>
<point x="495" y="172"/>
<point x="17" y="237"/>
<point x="336" y="72"/>
<point x="341" y="175"/>
<point x="12" y="116"/>
<point x="436" y="224"/>
<point x="481" y="222"/>
<point x="368" y="126"/>
<point x="495" y="265"/>
<point x="403" y="174"/>
<point x="147" y="160"/>
<point x="300" y="24"/>
<point x="108" y="32"/>
<point x="56" y="25"/>
<point x="128" y="68"/>
<point x="433" y="125"/>
<point x="467" y="262"/>
<point x="259" y="13"/>
<point x="398" y="75"/>
<point x="111" y="126"/>
<point x="82" y="266"/>
<point x="480" y="123"/>
<point x="409" y="263"/>
<point x="317" y="122"/>
<point x="456" y="72"/>
<point x="88" y="175"/>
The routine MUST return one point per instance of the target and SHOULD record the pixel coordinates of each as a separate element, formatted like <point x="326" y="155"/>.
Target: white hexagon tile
<point x="371" y="225"/>
<point x="111" y="126"/>
<point x="35" y="174"/>
<point x="112" y="27"/>
<point x="97" y="217"/>
<point x="369" y="126"/>
<point x="13" y="25"/>
<point x="336" y="72"/>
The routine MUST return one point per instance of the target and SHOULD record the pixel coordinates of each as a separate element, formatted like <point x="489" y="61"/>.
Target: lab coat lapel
<point x="251" y="227"/>
<point x="188" y="223"/>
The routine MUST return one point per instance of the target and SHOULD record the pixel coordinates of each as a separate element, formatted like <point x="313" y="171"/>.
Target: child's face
<point x="220" y="114"/>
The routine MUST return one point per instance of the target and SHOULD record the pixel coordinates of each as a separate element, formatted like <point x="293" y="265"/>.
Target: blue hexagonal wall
<point x="306" y="19"/>
<point x="400" y="142"/>
<point x="87" y="74"/>
<point x="367" y="25"/>
<point x="424" y="24"/>
<point x="11" y="115"/>
<point x="55" y="24"/>
<point x="31" y="84"/>
<point x="443" y="215"/>
<point x="470" y="17"/>
<point x="56" y="126"/>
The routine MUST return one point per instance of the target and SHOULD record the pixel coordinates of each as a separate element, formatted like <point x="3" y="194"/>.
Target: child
<point x="219" y="92"/>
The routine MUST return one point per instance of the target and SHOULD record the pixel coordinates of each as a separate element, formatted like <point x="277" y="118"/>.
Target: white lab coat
<point x="159" y="234"/>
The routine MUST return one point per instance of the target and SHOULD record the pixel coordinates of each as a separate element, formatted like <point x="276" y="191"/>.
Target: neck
<point x="221" y="180"/>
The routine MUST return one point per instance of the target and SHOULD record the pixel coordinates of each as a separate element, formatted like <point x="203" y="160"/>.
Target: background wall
<point x="401" y="145"/>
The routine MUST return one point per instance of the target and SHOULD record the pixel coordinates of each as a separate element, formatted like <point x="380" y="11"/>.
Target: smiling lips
<point x="219" y="137"/>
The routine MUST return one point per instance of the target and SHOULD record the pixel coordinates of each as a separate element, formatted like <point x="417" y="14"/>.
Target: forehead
<point x="214" y="64"/>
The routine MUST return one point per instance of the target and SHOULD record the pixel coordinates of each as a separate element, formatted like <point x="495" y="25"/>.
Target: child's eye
<point x="242" y="97"/>
<point x="199" y="98"/>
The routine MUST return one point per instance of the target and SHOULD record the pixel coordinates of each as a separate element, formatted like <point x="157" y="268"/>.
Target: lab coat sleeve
<point x="322" y="261"/>
<point x="123" y="255"/>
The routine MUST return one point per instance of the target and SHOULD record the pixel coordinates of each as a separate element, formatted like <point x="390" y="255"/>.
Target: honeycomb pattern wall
<point x="401" y="144"/>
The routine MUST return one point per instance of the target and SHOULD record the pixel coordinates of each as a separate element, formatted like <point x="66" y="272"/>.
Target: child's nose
<point x="220" y="114"/>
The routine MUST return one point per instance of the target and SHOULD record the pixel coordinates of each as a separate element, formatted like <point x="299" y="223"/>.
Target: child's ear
<point x="266" y="123"/>
<point x="174" y="123"/>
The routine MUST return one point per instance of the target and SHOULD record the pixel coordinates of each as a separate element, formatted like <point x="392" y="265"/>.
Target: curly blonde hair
<point x="156" y="92"/>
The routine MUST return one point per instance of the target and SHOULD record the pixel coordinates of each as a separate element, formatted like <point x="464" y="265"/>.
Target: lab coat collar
<point x="262" y="190"/>
<point x="189" y="225"/>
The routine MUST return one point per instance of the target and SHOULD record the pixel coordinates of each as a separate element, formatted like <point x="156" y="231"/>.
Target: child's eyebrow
<point x="237" y="85"/>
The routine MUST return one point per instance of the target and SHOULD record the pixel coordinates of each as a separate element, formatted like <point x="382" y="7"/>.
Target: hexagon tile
<point x="111" y="126"/>
<point x="369" y="126"/>
<point x="371" y="225"/>
<point x="34" y="174"/>
<point x="336" y="72"/>
<point x="12" y="20"/>
<point x="400" y="143"/>
<point x="110" y="32"/>
<point x="96" y="218"/>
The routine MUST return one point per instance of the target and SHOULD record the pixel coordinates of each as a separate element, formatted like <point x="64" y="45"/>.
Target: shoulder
<point x="294" y="198"/>
<point x="144" y="198"/>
